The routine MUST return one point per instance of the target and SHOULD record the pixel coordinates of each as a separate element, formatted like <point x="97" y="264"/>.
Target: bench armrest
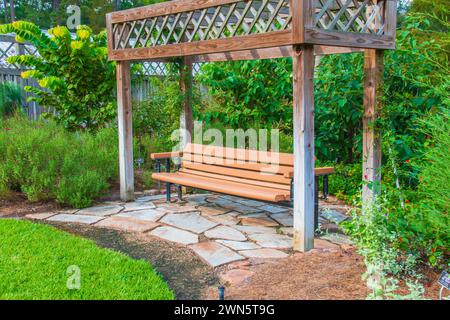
<point x="166" y="155"/>
<point x="317" y="172"/>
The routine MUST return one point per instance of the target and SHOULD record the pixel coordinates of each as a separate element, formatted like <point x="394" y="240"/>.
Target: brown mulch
<point x="16" y="205"/>
<point x="317" y="275"/>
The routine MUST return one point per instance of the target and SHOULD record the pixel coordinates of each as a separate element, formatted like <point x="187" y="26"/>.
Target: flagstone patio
<point x="219" y="229"/>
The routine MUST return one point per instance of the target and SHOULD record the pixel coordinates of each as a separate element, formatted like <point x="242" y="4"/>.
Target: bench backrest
<point x="271" y="169"/>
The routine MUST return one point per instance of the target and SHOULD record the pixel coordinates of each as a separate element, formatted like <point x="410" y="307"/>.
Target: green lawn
<point x="34" y="262"/>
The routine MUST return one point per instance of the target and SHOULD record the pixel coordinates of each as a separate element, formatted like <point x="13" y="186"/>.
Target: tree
<point x="75" y="76"/>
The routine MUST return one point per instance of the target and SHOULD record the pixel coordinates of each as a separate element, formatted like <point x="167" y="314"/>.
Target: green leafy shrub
<point x="10" y="98"/>
<point x="44" y="161"/>
<point x="75" y="76"/>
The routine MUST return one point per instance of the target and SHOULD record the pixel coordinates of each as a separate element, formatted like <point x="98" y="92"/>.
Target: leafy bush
<point x="10" y="98"/>
<point x="75" y="76"/>
<point x="44" y="161"/>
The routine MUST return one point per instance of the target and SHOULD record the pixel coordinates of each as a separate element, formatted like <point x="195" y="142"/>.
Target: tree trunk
<point x="5" y="3"/>
<point x="116" y="5"/>
<point x="11" y="7"/>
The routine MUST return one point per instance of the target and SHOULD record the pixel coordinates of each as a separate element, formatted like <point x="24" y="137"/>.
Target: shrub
<point x="10" y="98"/>
<point x="75" y="76"/>
<point x="44" y="161"/>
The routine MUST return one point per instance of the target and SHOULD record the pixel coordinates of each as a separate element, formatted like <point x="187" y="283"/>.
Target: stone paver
<point x="236" y="277"/>
<point x="324" y="245"/>
<point x="333" y="215"/>
<point x="215" y="254"/>
<point x="245" y="202"/>
<point x="40" y="216"/>
<point x="225" y="219"/>
<point x="337" y="238"/>
<point x="175" y="235"/>
<point x="273" y="209"/>
<point x="253" y="230"/>
<point x="212" y="211"/>
<point x="150" y="198"/>
<point x="189" y="221"/>
<point x="146" y="215"/>
<point x="284" y="219"/>
<point x="127" y="224"/>
<point x="239" y="245"/>
<point x="101" y="211"/>
<point x="135" y="206"/>
<point x="289" y="231"/>
<point x="254" y="215"/>
<point x="235" y="206"/>
<point x="273" y="241"/>
<point x="264" y="254"/>
<point x="225" y="233"/>
<point x="197" y="199"/>
<point x="75" y="218"/>
<point x="258" y="222"/>
<point x="174" y="208"/>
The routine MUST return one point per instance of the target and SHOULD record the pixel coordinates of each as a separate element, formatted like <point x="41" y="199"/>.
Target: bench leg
<point x="325" y="187"/>
<point x="316" y="203"/>
<point x="180" y="192"/>
<point x="168" y="186"/>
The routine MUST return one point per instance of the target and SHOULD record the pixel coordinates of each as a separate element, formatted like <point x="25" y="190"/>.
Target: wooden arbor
<point x="223" y="30"/>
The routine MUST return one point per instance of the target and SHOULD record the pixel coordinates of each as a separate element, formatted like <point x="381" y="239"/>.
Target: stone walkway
<point x="219" y="229"/>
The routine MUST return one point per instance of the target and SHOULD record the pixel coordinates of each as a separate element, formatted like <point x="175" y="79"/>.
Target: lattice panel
<point x="9" y="47"/>
<point x="357" y="16"/>
<point x="224" y="21"/>
<point x="160" y="69"/>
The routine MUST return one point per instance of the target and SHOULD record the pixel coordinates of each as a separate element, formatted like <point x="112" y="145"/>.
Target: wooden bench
<point x="257" y="175"/>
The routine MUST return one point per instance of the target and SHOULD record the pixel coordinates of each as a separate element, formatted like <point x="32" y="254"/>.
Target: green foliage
<point x="427" y="218"/>
<point x="248" y="93"/>
<point x="42" y="255"/>
<point x="75" y="76"/>
<point x="44" y="161"/>
<point x="10" y="98"/>
<point x="346" y="182"/>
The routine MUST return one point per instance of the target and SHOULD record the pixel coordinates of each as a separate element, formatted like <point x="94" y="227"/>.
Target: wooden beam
<point x="254" y="41"/>
<point x="390" y="16"/>
<point x="303" y="118"/>
<point x="270" y="53"/>
<point x="166" y="8"/>
<point x="186" y="122"/>
<point x="125" y="125"/>
<point x="373" y="71"/>
<point x="254" y="54"/>
<point x="348" y="39"/>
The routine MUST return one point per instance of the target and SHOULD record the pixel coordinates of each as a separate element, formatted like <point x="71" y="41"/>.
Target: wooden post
<point x="373" y="70"/>
<point x="125" y="123"/>
<point x="303" y="95"/>
<point x="186" y="122"/>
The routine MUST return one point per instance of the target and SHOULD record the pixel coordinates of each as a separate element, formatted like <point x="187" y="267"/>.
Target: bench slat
<point x="221" y="186"/>
<point x="232" y="163"/>
<point x="240" y="180"/>
<point x="252" y="175"/>
<point x="286" y="159"/>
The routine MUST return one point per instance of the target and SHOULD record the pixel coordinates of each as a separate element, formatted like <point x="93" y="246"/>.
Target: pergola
<point x="225" y="30"/>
